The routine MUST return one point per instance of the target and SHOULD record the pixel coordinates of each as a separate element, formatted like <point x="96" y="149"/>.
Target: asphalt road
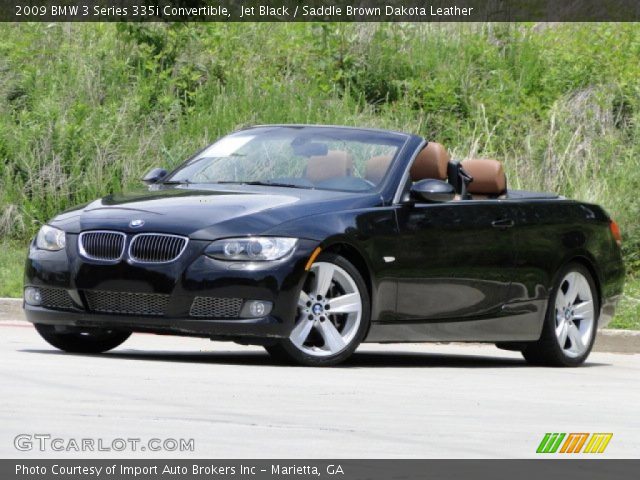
<point x="390" y="401"/>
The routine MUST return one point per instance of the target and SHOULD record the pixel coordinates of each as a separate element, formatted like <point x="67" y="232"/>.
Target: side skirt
<point x="521" y="322"/>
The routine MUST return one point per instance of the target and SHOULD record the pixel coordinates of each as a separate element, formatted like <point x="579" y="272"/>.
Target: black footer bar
<point x="565" y="469"/>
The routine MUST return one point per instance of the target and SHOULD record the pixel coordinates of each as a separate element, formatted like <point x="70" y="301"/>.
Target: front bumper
<point x="180" y="282"/>
<point x="236" y="329"/>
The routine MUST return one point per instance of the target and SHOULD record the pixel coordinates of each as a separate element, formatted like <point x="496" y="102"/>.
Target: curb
<point x="608" y="340"/>
<point x="617" y="341"/>
<point x="11" y="309"/>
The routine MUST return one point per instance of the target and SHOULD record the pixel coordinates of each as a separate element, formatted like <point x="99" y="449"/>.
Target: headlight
<point x="252" y="248"/>
<point x="50" y="238"/>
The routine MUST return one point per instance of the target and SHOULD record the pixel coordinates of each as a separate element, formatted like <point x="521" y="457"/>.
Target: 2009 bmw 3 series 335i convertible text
<point x="309" y="240"/>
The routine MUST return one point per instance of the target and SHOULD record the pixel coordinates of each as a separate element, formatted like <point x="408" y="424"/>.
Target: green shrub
<point x="86" y="109"/>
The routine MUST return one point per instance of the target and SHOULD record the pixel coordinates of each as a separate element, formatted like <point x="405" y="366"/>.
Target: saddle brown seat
<point x="376" y="168"/>
<point x="335" y="164"/>
<point x="431" y="163"/>
<point x="489" y="179"/>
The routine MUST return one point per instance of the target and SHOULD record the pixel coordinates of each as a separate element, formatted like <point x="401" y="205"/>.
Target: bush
<point x="86" y="109"/>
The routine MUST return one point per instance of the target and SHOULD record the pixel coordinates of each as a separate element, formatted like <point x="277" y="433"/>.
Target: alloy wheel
<point x="574" y="314"/>
<point x="329" y="311"/>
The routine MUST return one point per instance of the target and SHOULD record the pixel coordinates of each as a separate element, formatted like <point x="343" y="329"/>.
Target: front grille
<point x="56" y="298"/>
<point x="102" y="245"/>
<point x="156" y="247"/>
<point x="125" y="303"/>
<point x="215" y="307"/>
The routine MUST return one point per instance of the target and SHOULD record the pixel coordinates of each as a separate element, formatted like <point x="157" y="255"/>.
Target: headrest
<point x="376" y="167"/>
<point x="335" y="164"/>
<point x="431" y="162"/>
<point x="488" y="176"/>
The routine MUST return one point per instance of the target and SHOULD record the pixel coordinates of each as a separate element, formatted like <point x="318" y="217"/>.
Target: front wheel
<point x="570" y="325"/>
<point x="333" y="315"/>
<point x="81" y="340"/>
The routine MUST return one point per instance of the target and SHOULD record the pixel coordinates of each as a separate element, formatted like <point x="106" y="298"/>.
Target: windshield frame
<point x="404" y="139"/>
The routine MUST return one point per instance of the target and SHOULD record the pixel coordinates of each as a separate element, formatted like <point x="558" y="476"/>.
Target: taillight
<point x="615" y="231"/>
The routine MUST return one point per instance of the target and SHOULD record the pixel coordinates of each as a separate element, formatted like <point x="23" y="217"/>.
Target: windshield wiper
<point x="177" y="182"/>
<point x="268" y="184"/>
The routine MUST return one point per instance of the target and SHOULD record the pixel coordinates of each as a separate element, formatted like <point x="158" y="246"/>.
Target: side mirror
<point x="432" y="191"/>
<point x="154" y="175"/>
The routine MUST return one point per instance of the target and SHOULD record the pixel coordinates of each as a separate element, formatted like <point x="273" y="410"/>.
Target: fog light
<point x="255" y="309"/>
<point x="32" y="296"/>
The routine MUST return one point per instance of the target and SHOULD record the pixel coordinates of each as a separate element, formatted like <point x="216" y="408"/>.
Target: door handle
<point x="503" y="223"/>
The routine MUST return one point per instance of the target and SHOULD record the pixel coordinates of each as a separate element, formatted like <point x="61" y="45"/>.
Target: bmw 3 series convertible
<point x="309" y="240"/>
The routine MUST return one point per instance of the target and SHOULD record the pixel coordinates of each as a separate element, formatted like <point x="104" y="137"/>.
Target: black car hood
<point x="207" y="213"/>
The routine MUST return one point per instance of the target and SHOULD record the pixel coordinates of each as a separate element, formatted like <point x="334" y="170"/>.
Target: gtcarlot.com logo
<point x="574" y="443"/>
<point x="26" y="442"/>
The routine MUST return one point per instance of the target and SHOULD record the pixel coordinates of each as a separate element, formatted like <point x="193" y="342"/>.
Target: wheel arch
<point x="358" y="260"/>
<point x="354" y="256"/>
<point x="590" y="265"/>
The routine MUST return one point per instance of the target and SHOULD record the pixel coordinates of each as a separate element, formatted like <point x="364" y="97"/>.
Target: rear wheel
<point x="571" y="322"/>
<point x="81" y="340"/>
<point x="332" y="318"/>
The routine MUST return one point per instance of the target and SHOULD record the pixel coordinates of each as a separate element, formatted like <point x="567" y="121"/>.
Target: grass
<point x="628" y="314"/>
<point x="12" y="257"/>
<point x="86" y="109"/>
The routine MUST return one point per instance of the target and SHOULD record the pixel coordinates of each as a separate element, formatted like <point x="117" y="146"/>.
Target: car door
<point x="453" y="260"/>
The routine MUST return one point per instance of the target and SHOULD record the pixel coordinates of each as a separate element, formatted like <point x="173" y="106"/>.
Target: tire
<point x="82" y="340"/>
<point x="323" y="334"/>
<point x="574" y="320"/>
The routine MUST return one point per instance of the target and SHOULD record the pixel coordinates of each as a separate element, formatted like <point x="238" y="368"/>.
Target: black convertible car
<point x="309" y="240"/>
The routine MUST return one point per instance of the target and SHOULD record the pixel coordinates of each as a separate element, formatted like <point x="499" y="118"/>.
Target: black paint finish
<point x="460" y="270"/>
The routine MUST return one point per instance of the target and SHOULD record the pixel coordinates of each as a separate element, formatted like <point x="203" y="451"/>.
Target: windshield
<point x="329" y="158"/>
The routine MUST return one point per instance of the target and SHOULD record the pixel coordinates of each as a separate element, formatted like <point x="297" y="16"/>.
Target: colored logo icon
<point x="574" y="443"/>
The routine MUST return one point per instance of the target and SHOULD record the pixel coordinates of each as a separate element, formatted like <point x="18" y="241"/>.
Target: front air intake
<point x="126" y="303"/>
<point x="215" y="307"/>
<point x="55" y="298"/>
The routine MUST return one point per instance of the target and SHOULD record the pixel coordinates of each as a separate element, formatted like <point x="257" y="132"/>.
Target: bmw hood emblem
<point x="136" y="223"/>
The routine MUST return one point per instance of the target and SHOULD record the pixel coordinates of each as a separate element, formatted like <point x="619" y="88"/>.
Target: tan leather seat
<point x="335" y="164"/>
<point x="376" y="168"/>
<point x="431" y="162"/>
<point x="489" y="179"/>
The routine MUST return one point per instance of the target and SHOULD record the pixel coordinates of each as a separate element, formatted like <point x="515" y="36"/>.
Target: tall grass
<point x="85" y="109"/>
